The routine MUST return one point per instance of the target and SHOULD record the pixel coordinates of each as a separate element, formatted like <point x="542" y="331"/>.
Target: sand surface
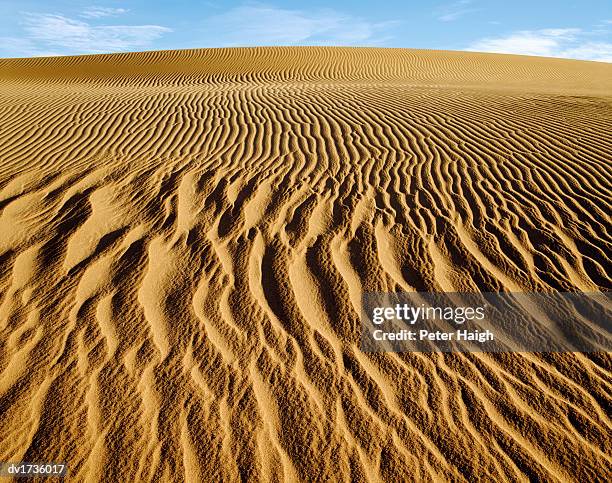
<point x="185" y="237"/>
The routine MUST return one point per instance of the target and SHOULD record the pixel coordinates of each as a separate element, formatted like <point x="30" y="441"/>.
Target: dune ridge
<point x="185" y="237"/>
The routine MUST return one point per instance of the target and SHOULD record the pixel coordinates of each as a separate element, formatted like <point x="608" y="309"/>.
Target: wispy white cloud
<point x="100" y="12"/>
<point x="571" y="43"/>
<point x="47" y="34"/>
<point x="259" y="24"/>
<point x="453" y="11"/>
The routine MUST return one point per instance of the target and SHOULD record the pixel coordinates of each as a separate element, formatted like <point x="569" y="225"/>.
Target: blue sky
<point x="580" y="29"/>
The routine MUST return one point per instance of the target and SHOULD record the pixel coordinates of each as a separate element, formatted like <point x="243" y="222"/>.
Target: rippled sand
<point x="185" y="237"/>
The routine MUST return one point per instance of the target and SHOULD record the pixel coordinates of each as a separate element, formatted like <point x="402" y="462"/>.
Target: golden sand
<point x="185" y="237"/>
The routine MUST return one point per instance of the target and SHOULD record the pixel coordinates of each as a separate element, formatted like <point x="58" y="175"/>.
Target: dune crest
<point x="185" y="235"/>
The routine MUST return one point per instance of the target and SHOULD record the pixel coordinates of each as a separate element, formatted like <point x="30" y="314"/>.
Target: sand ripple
<point x="184" y="238"/>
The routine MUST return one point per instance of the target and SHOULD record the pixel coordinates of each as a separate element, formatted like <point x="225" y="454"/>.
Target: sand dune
<point x="185" y="237"/>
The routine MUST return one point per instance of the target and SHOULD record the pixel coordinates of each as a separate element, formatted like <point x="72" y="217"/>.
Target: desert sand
<point x="185" y="237"/>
